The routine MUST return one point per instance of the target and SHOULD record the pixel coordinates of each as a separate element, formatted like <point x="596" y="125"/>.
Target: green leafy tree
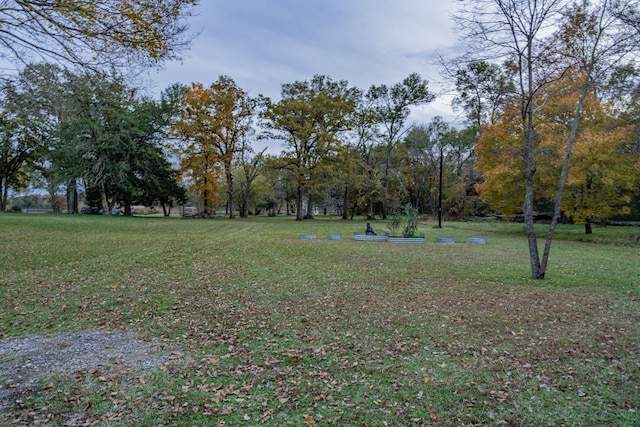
<point x="483" y="88"/>
<point x="392" y="106"/>
<point x="22" y="138"/>
<point x="309" y="119"/>
<point x="113" y="143"/>
<point x="95" y="139"/>
<point x="151" y="178"/>
<point x="47" y="87"/>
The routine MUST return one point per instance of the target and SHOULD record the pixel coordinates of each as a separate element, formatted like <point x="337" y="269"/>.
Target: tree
<point x="392" y="108"/>
<point x="439" y="159"/>
<point x="250" y="167"/>
<point x="365" y="138"/>
<point x="21" y="140"/>
<point x="151" y="178"/>
<point x="113" y="142"/>
<point x="46" y="87"/>
<point x="483" y="89"/>
<point x="94" y="33"/>
<point x="500" y="162"/>
<point x="92" y="127"/>
<point x="309" y="118"/>
<point x="198" y="157"/>
<point x="218" y="119"/>
<point x="604" y="171"/>
<point x="95" y="139"/>
<point x="423" y="168"/>
<point x="279" y="189"/>
<point x="233" y="113"/>
<point x="352" y="183"/>
<point x="542" y="40"/>
<point x="602" y="176"/>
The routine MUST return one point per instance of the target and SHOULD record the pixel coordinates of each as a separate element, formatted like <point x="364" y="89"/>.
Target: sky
<point x="262" y="44"/>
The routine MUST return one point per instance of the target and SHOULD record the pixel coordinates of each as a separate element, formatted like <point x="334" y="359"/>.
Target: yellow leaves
<point x="145" y="28"/>
<point x="599" y="172"/>
<point x="500" y="162"/>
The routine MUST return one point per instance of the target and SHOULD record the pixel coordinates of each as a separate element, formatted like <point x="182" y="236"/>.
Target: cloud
<point x="262" y="44"/>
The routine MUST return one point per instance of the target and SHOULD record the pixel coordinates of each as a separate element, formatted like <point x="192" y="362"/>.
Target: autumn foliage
<point x="198" y="160"/>
<point x="213" y="125"/>
<point x="602" y="174"/>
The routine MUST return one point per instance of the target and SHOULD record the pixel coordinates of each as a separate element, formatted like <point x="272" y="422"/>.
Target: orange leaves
<point x="212" y="125"/>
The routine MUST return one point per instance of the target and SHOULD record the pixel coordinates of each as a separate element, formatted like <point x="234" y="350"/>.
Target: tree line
<point x="91" y="130"/>
<point x="341" y="146"/>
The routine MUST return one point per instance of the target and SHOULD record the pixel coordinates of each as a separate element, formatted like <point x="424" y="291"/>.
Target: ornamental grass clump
<point x="406" y="220"/>
<point x="411" y="217"/>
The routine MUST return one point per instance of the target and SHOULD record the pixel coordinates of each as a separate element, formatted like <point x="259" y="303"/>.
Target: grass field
<point x="266" y="329"/>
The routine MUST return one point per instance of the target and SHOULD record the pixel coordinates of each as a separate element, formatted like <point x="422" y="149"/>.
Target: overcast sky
<point x="262" y="44"/>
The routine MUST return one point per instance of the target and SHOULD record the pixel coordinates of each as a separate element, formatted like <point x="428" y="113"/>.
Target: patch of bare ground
<point x="26" y="361"/>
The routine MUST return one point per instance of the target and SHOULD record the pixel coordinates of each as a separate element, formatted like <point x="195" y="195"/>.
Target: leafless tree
<point x="542" y="41"/>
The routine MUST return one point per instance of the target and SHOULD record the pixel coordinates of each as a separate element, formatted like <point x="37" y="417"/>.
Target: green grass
<point x="274" y="330"/>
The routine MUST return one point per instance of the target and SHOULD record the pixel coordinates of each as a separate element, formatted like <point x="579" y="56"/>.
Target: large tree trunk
<point x="72" y="197"/>
<point x="166" y="209"/>
<point x="587" y="227"/>
<point x="537" y="272"/>
<point x="103" y="198"/>
<point x="126" y="200"/>
<point x="527" y="109"/>
<point x="299" y="204"/>
<point x="534" y="258"/>
<point x="4" y="197"/>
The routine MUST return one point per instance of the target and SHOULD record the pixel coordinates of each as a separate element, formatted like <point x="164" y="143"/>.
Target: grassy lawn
<point x="263" y="328"/>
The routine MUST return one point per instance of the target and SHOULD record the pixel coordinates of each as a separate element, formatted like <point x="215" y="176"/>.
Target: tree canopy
<point x="308" y="119"/>
<point x="94" y="33"/>
<point x="213" y="125"/>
